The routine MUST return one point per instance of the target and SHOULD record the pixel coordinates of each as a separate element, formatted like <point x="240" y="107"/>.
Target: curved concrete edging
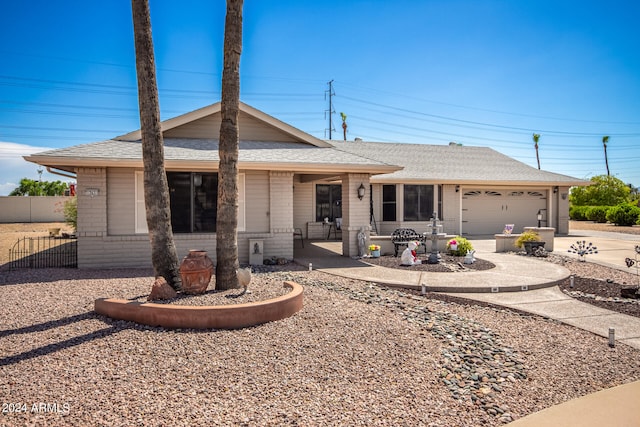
<point x="510" y="274"/>
<point x="204" y="317"/>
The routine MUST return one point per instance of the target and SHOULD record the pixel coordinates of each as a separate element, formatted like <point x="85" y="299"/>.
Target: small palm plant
<point x="582" y="248"/>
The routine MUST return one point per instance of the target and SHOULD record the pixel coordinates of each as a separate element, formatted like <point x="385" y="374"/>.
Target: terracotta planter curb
<point x="232" y="316"/>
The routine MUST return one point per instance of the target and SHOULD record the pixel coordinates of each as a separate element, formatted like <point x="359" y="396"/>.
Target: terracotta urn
<point x="195" y="271"/>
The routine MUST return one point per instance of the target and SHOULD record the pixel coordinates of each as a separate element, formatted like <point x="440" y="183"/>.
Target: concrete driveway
<point x="613" y="248"/>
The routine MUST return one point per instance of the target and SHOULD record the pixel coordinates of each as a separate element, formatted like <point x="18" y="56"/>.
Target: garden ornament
<point x="409" y="256"/>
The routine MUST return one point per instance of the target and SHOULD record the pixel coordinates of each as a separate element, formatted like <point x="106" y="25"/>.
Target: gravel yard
<point x="357" y="354"/>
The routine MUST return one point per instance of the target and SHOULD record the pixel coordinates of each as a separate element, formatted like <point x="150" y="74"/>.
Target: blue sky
<point x="481" y="73"/>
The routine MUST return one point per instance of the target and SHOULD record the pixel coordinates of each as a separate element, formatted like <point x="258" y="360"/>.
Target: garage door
<point x="487" y="211"/>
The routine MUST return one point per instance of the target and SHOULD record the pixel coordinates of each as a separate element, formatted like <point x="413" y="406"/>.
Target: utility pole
<point x="330" y="110"/>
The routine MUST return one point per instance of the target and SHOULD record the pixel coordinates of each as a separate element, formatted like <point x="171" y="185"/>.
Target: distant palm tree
<point x="227" y="215"/>
<point x="344" y="125"/>
<point x="536" y="138"/>
<point x="605" y="141"/>
<point x="164" y="256"/>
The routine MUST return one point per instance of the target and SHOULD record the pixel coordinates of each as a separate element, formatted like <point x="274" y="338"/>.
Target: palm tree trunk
<point x="156" y="191"/>
<point x="536" y="138"/>
<point x="605" y="140"/>
<point x="227" y="215"/>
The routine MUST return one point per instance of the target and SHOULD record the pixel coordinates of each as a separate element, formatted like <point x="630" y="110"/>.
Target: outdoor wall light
<point x="539" y="217"/>
<point x="555" y="189"/>
<point x="457" y="188"/>
<point x="361" y="191"/>
<point x="92" y="192"/>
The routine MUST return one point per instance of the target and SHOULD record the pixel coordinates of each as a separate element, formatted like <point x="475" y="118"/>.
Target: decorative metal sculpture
<point x="582" y="248"/>
<point x="631" y="262"/>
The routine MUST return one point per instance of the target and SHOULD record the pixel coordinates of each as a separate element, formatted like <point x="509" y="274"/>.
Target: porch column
<point x="355" y="212"/>
<point x="281" y="215"/>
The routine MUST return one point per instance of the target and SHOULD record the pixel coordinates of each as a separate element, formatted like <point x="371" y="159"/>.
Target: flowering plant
<point x="374" y="247"/>
<point x="459" y="246"/>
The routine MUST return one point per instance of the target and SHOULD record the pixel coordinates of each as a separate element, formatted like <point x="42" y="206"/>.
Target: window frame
<point x="140" y="219"/>
<point x="332" y="187"/>
<point x="430" y="200"/>
<point x="393" y="203"/>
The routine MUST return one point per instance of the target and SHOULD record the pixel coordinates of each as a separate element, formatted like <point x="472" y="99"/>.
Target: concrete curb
<point x="233" y="316"/>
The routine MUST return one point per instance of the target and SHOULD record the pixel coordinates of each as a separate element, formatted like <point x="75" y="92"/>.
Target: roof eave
<point x="72" y="163"/>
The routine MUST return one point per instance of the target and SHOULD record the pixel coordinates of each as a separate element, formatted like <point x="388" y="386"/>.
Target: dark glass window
<point x="440" y="201"/>
<point x="418" y="202"/>
<point x="388" y="202"/>
<point x="328" y="201"/>
<point x="194" y="199"/>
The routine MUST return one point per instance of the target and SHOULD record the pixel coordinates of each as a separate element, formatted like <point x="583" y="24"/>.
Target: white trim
<point x="242" y="215"/>
<point x="140" y="217"/>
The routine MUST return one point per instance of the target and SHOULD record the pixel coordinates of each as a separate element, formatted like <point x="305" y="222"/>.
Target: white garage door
<point x="487" y="211"/>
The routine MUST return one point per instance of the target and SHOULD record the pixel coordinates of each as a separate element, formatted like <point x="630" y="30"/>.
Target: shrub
<point x="464" y="246"/>
<point x="527" y="236"/>
<point x="70" y="211"/>
<point x="577" y="213"/>
<point x="625" y="214"/>
<point x="597" y="213"/>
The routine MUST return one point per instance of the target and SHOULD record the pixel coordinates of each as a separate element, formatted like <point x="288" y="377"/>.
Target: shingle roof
<point x="451" y="163"/>
<point x="206" y="151"/>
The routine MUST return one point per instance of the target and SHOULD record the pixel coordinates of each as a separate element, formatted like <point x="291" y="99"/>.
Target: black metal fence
<point x="44" y="252"/>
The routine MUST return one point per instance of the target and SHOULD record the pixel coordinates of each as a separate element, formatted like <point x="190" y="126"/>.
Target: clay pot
<point x="195" y="271"/>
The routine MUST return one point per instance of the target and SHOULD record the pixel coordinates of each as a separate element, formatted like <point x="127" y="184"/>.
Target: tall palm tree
<point x="164" y="256"/>
<point x="605" y="141"/>
<point x="344" y="125"/>
<point x="536" y="138"/>
<point x="227" y="214"/>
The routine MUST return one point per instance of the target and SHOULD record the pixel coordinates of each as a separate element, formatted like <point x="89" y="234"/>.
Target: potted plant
<point x="375" y="251"/>
<point x="459" y="246"/>
<point x="529" y="240"/>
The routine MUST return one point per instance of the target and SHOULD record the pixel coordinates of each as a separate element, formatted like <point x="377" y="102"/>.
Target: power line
<point x="489" y="110"/>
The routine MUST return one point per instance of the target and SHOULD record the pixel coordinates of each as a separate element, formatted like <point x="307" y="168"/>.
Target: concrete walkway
<point x="614" y="407"/>
<point x="613" y="248"/>
<point x="512" y="272"/>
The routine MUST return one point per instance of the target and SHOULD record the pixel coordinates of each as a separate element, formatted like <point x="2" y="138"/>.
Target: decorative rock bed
<point x="232" y="316"/>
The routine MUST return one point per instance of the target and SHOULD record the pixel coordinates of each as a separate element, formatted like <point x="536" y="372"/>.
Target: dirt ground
<point x="11" y="233"/>
<point x="594" y="226"/>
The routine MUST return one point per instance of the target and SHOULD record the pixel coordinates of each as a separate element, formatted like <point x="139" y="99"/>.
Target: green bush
<point x="578" y="213"/>
<point x="464" y="246"/>
<point x="70" y="211"/>
<point x="527" y="236"/>
<point x="597" y="213"/>
<point x="624" y="214"/>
